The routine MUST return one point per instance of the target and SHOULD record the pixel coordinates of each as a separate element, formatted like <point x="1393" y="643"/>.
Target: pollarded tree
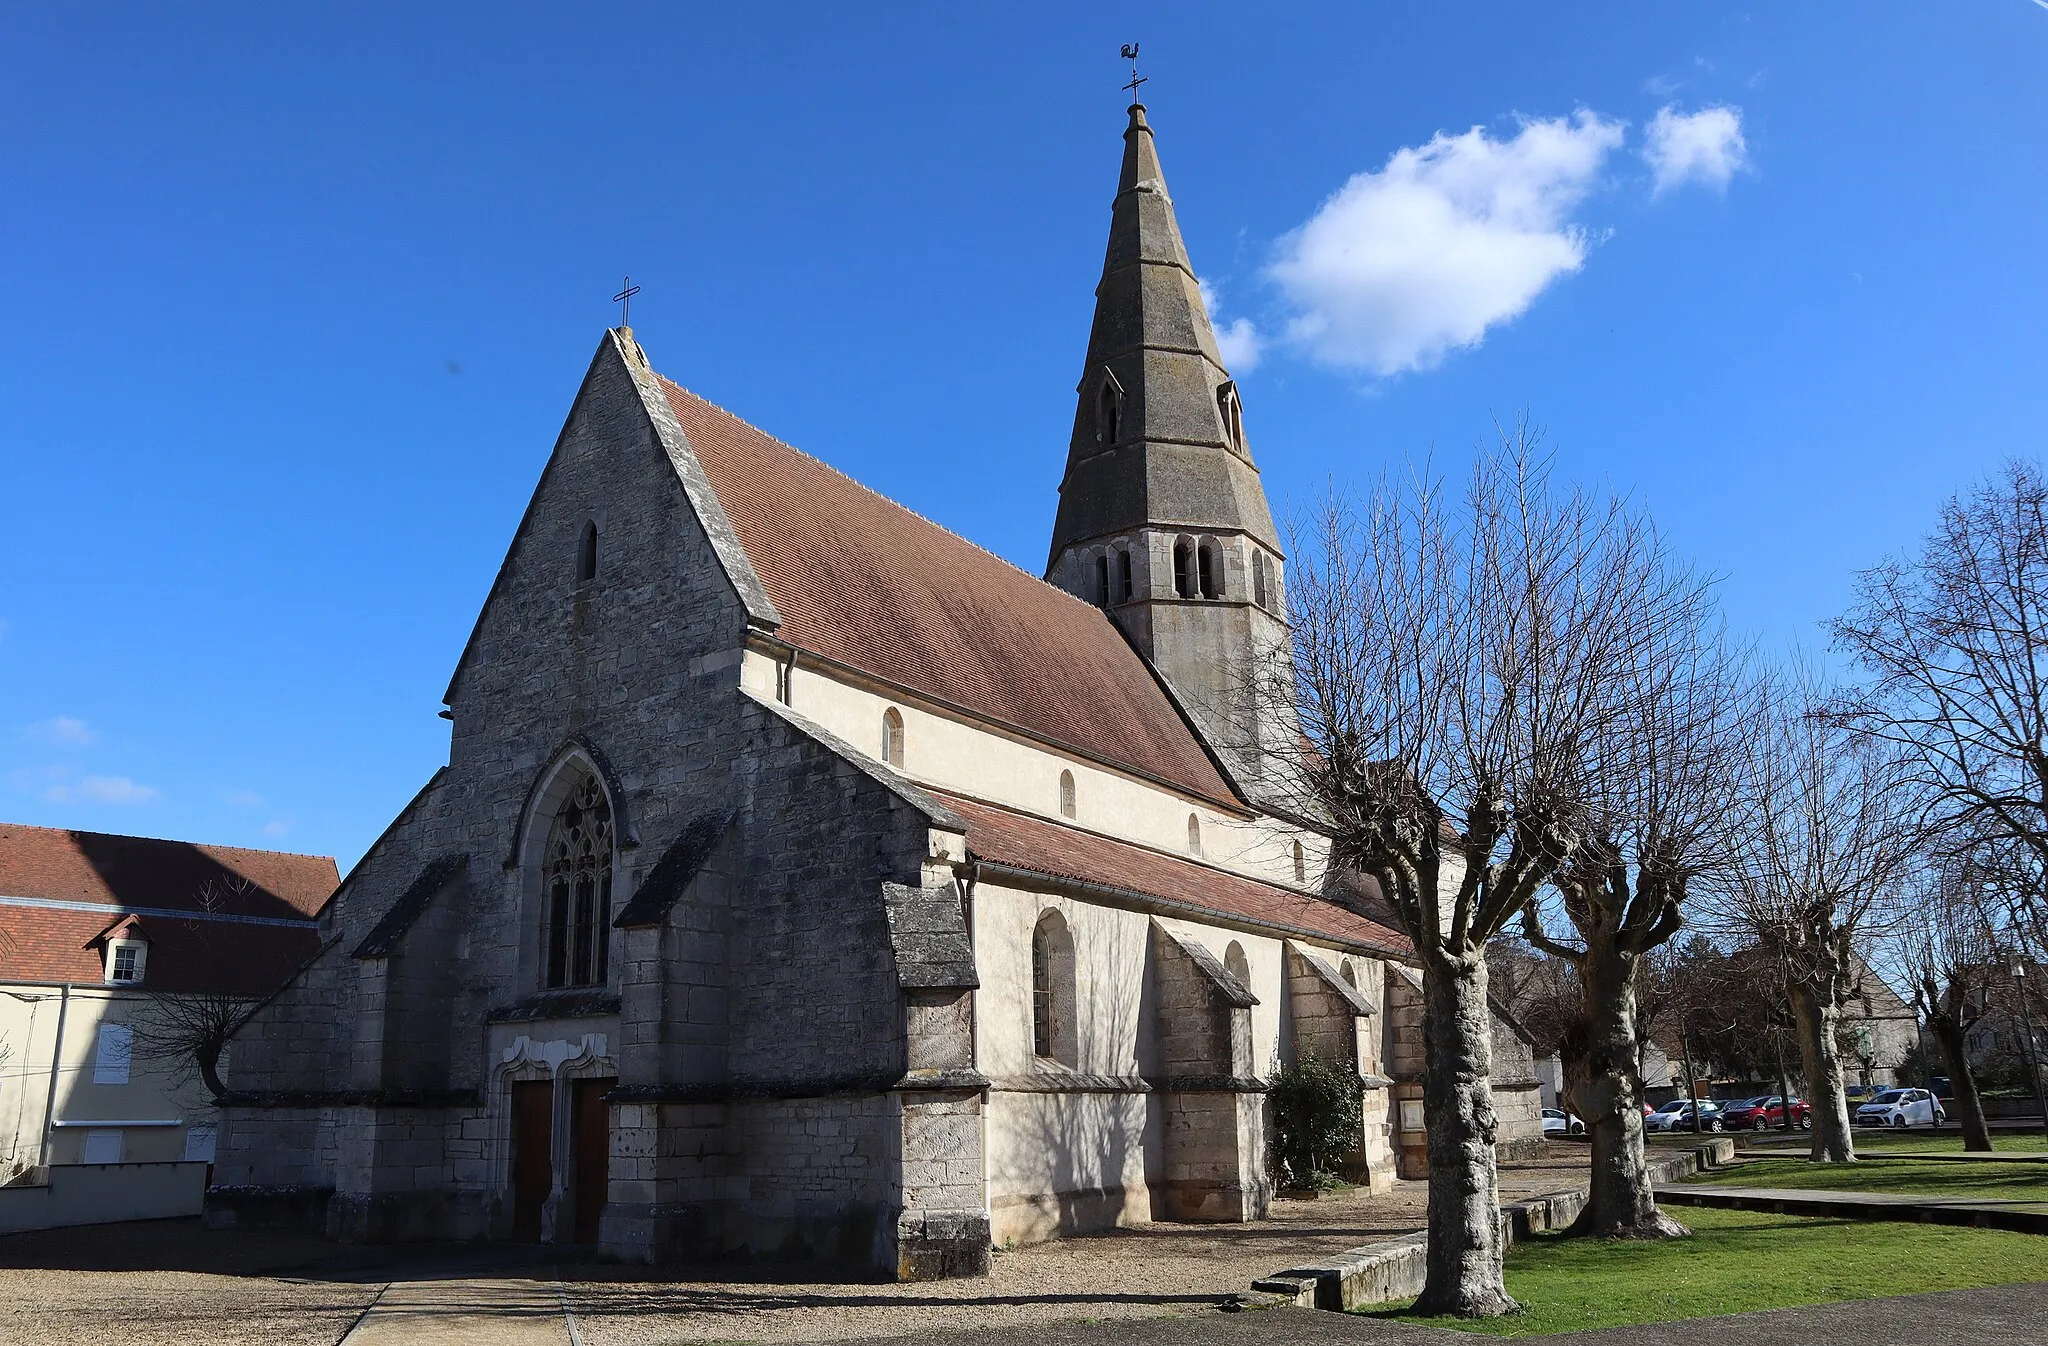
<point x="1452" y="658"/>
<point x="1827" y="837"/>
<point x="1660" y="785"/>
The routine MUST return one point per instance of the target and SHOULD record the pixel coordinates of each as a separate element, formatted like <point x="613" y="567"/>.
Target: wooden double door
<point x="533" y="1157"/>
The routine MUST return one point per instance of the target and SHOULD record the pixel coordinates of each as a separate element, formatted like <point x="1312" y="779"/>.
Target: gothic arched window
<point x="1066" y="794"/>
<point x="1194" y="835"/>
<point x="586" y="554"/>
<point x="1102" y="589"/>
<point x="1300" y="864"/>
<point x="1123" y="574"/>
<point x="1209" y="561"/>
<point x="1184" y="585"/>
<point x="1052" y="991"/>
<point x="892" y="736"/>
<point x="1237" y="965"/>
<point x="578" y="886"/>
<point x="1259" y="577"/>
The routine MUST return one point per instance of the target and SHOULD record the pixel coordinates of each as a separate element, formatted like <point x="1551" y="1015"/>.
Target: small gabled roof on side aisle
<point x="1034" y="845"/>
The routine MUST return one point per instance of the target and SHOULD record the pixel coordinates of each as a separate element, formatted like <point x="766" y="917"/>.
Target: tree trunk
<point x="1969" y="1103"/>
<point x="1620" y="1202"/>
<point x="1827" y="1103"/>
<point x="207" y="1054"/>
<point x="1464" y="1265"/>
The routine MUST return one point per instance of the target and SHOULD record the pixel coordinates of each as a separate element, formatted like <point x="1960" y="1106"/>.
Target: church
<point x="805" y="881"/>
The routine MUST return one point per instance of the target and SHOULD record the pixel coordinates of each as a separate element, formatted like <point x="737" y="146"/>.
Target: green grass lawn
<point x="1738" y="1262"/>
<point x="1917" y="1142"/>
<point x="1991" y="1180"/>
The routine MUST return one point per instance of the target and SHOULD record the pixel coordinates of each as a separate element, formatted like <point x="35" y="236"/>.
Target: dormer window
<point x="126" y="957"/>
<point x="1109" y="408"/>
<point x="586" y="554"/>
<point x="1232" y="412"/>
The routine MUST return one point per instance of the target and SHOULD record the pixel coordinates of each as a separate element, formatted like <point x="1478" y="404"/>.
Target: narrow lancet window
<point x="1194" y="835"/>
<point x="1123" y="575"/>
<point x="1259" y="578"/>
<point x="892" y="736"/>
<point x="1066" y="794"/>
<point x="586" y="554"/>
<point x="1184" y="568"/>
<point x="1109" y="409"/>
<point x="1102" y="580"/>
<point x="1052" y="991"/>
<point x="578" y="883"/>
<point x="1300" y="864"/>
<point x="1209" y="559"/>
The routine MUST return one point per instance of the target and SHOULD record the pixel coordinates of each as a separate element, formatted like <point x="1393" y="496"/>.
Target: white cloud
<point x="276" y="827"/>
<point x="1403" y="266"/>
<point x="1241" y="346"/>
<point x="62" y="731"/>
<point x="106" y="790"/>
<point x="1704" y="146"/>
<point x="1239" y="342"/>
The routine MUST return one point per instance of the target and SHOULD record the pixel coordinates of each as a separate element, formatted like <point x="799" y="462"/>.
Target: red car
<point x="1762" y="1114"/>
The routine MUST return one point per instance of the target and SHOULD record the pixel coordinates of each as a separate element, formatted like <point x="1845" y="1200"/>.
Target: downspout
<point x="56" y="1064"/>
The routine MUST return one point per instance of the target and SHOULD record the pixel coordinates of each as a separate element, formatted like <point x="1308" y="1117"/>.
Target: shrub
<point x="1317" y="1110"/>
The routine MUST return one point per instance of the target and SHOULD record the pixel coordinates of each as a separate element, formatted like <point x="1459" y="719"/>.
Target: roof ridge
<point x="856" y="482"/>
<point x="168" y="841"/>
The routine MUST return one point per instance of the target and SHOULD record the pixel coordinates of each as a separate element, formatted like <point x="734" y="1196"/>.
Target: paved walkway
<point x="478" y="1312"/>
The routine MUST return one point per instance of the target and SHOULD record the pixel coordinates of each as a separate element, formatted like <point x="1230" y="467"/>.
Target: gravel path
<point x="171" y="1281"/>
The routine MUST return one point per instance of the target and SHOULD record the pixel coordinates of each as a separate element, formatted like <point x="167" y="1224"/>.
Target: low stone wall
<point x="76" y="1194"/>
<point x="1395" y="1269"/>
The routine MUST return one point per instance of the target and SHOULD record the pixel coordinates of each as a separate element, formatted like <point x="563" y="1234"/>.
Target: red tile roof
<point x="97" y="876"/>
<point x="866" y="583"/>
<point x="999" y="836"/>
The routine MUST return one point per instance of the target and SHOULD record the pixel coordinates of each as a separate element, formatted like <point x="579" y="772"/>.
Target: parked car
<point x="1761" y="1114"/>
<point x="1677" y="1116"/>
<point x="1557" y="1122"/>
<point x="1902" y="1107"/>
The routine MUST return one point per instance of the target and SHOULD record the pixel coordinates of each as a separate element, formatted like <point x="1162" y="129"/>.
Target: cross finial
<point x="1130" y="53"/>
<point x="624" y="299"/>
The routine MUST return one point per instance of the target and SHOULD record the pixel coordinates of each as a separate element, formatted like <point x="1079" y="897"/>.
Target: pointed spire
<point x="1157" y="436"/>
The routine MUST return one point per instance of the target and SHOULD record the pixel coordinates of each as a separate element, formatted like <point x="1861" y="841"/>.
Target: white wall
<point x="980" y="761"/>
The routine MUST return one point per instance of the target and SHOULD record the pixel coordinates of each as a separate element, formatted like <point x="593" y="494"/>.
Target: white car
<point x="1677" y="1116"/>
<point x="1902" y="1107"/>
<point x="1557" y="1122"/>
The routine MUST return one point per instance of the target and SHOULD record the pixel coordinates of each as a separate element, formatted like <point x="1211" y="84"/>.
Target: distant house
<point x="95" y="930"/>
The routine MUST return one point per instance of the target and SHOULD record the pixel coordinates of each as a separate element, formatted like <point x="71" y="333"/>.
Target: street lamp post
<point x="2019" y="982"/>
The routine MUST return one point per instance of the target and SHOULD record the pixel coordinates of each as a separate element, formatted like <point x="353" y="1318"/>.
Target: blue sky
<point x="293" y="300"/>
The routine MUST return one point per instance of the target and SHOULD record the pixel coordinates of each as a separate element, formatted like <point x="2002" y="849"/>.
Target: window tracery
<point x="578" y="885"/>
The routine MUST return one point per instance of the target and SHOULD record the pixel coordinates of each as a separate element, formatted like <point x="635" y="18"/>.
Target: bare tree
<point x="1946" y="941"/>
<point x="1664" y="770"/>
<point x="1828" y="835"/>
<point x="1953" y="640"/>
<point x="1450" y="657"/>
<point x="194" y="1026"/>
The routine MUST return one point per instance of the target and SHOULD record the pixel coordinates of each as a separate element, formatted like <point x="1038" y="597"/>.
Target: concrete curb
<point x="1395" y="1268"/>
<point x="1858" y="1206"/>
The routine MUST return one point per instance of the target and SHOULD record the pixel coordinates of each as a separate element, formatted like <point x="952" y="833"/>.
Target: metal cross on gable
<point x="1130" y="53"/>
<point x="624" y="299"/>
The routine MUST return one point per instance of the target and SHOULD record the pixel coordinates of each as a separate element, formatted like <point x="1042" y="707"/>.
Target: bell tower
<point x="1162" y="521"/>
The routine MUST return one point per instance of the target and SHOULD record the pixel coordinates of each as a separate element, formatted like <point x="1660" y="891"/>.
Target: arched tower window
<point x="586" y="554"/>
<point x="1123" y="574"/>
<point x="1102" y="590"/>
<point x="1109" y="408"/>
<point x="1350" y="973"/>
<point x="1258" y="577"/>
<point x="1052" y="991"/>
<point x="1300" y="864"/>
<point x="1066" y="794"/>
<point x="1209" y="560"/>
<point x="1235" y="963"/>
<point x="577" y="880"/>
<point x="1184" y="582"/>
<point x="1194" y="835"/>
<point x="892" y="736"/>
<point x="1232" y="411"/>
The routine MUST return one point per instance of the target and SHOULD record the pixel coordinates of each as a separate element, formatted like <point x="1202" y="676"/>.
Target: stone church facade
<point x="805" y="880"/>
